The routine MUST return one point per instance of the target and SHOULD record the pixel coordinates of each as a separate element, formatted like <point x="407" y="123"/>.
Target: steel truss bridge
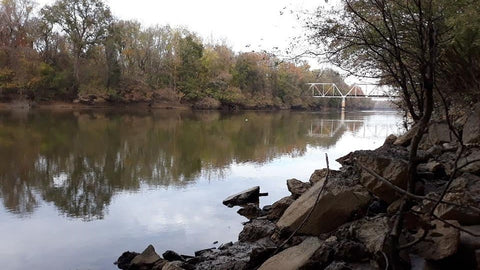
<point x="330" y="90"/>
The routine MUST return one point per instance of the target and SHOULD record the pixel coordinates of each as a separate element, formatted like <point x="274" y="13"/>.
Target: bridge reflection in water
<point x="334" y="128"/>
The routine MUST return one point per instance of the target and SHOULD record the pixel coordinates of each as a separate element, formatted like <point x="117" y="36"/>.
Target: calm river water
<point x="77" y="188"/>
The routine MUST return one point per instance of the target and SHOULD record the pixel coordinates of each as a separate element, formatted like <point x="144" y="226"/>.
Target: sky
<point x="244" y="25"/>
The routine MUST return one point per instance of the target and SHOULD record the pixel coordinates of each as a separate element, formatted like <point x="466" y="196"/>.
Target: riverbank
<point x="341" y="219"/>
<point x="93" y="101"/>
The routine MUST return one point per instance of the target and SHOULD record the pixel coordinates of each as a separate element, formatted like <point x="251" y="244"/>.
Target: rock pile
<point x="349" y="222"/>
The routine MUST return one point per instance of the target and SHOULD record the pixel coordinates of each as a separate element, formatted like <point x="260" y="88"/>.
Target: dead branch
<point x="311" y="210"/>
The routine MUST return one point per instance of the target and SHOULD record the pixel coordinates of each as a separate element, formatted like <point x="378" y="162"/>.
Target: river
<point x="77" y="188"/>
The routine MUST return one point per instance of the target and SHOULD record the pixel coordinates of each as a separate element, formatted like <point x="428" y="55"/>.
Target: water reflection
<point x="79" y="160"/>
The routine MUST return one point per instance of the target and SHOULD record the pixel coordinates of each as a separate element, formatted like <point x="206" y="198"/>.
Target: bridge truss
<point x="330" y="90"/>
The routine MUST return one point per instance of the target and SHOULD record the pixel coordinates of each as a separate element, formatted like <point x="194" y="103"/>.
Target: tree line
<point x="77" y="50"/>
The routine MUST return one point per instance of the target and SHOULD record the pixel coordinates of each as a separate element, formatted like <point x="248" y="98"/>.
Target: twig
<point x="450" y="180"/>
<point x="455" y="226"/>
<point x="386" y="260"/>
<point x="411" y="195"/>
<point x="311" y="210"/>
<point x="416" y="241"/>
<point x="468" y="163"/>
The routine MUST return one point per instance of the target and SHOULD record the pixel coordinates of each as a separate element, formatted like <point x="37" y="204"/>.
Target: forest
<point x="77" y="51"/>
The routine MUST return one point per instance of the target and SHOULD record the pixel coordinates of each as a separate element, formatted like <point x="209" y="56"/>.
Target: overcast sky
<point x="245" y="25"/>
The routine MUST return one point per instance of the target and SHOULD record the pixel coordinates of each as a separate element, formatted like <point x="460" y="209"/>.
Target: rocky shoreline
<point x="342" y="219"/>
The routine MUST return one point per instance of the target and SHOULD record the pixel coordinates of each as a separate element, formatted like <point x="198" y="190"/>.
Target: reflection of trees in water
<point x="78" y="160"/>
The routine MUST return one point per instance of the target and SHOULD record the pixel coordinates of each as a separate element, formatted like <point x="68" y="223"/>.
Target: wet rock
<point x="171" y="256"/>
<point x="123" y="262"/>
<point x="406" y="138"/>
<point x="249" y="211"/>
<point x="146" y="259"/>
<point x="293" y="257"/>
<point x="391" y="168"/>
<point x="440" y="243"/>
<point x="335" y="206"/>
<point x="319" y="175"/>
<point x="297" y="187"/>
<point x="235" y="256"/>
<point x="247" y="196"/>
<point x="256" y="229"/>
<point x="279" y="207"/>
<point x="471" y="129"/>
<point x="464" y="190"/>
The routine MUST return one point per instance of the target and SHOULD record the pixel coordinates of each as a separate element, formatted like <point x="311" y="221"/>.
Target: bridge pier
<point x="343" y="103"/>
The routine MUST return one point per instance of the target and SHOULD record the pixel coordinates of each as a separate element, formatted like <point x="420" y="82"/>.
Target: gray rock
<point x="335" y="206"/>
<point x="171" y="256"/>
<point x="391" y="168"/>
<point x="249" y="211"/>
<point x="293" y="257"/>
<point x="439" y="133"/>
<point x="390" y="139"/>
<point x="247" y="196"/>
<point x="256" y="229"/>
<point x="440" y="243"/>
<point x="372" y="233"/>
<point x="470" y="163"/>
<point x="297" y="187"/>
<point x="406" y="138"/>
<point x="319" y="175"/>
<point x="175" y="265"/>
<point x="279" y="207"/>
<point x="123" y="262"/>
<point x="464" y="190"/>
<point x="147" y="258"/>
<point x="471" y="129"/>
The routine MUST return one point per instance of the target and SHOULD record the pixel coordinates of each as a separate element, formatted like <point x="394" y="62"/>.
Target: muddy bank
<point x="343" y="219"/>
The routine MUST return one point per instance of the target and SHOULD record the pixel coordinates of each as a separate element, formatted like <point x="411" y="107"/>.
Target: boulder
<point x="390" y="139"/>
<point x="256" y="229"/>
<point x="146" y="259"/>
<point x="247" y="196"/>
<point x="339" y="265"/>
<point x="123" y="262"/>
<point x="432" y="167"/>
<point x="319" y="175"/>
<point x="335" y="206"/>
<point x="440" y="243"/>
<point x="293" y="257"/>
<point x="439" y="133"/>
<point x="470" y="163"/>
<point x="175" y="265"/>
<point x="391" y="168"/>
<point x="471" y="129"/>
<point x="297" y="187"/>
<point x="405" y="139"/>
<point x="464" y="190"/>
<point x="372" y="233"/>
<point x="279" y="207"/>
<point x="171" y="256"/>
<point x="250" y="211"/>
